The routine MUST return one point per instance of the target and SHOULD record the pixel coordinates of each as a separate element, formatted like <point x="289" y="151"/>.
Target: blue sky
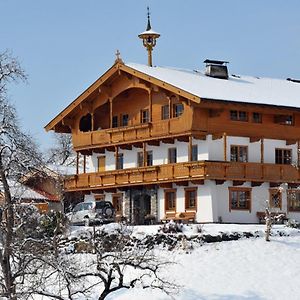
<point x="66" y="45"/>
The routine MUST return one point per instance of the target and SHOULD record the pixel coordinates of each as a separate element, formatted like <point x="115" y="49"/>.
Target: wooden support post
<point x="77" y="163"/>
<point x="225" y="145"/>
<point x="170" y="107"/>
<point x="144" y="155"/>
<point x="150" y="104"/>
<point x="298" y="153"/>
<point x="116" y="156"/>
<point x="262" y="150"/>
<point x="190" y="147"/>
<point x="84" y="163"/>
<point x="110" y="112"/>
<point x="92" y="121"/>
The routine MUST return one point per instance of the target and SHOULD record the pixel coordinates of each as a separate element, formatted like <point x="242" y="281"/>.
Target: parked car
<point x="92" y="212"/>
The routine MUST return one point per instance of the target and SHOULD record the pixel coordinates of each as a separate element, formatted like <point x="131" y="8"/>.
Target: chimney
<point x="216" y="68"/>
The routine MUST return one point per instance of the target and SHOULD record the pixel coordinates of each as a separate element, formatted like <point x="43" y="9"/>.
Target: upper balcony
<point x="131" y="134"/>
<point x="181" y="173"/>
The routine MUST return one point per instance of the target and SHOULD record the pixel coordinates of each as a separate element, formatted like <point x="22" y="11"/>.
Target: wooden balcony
<point x="130" y="134"/>
<point x="182" y="172"/>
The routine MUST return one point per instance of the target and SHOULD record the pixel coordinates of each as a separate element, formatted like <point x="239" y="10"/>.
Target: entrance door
<point x="142" y="208"/>
<point x="101" y="163"/>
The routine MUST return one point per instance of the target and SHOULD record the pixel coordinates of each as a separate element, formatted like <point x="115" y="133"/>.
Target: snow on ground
<point x="249" y="269"/>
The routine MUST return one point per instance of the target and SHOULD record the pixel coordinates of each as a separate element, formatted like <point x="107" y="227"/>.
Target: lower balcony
<point x="181" y="173"/>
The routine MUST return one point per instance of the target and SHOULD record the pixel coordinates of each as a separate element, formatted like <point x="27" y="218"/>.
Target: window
<point x="191" y="199"/>
<point x="165" y="112"/>
<point x="120" y="161"/>
<point x="238" y="115"/>
<point x="256" y="117"/>
<point x="239" y="199"/>
<point x="275" y="198"/>
<point x="115" y="121"/>
<point x="284" y="119"/>
<point x="140" y="159"/>
<point x="145" y="116"/>
<point x="149" y="158"/>
<point x="124" y="120"/>
<point x="172" y="155"/>
<point x="170" y="200"/>
<point x="194" y="153"/>
<point x="283" y="156"/>
<point x="293" y="200"/>
<point x="177" y="110"/>
<point x="239" y="153"/>
<point x="85" y="123"/>
<point x="117" y="203"/>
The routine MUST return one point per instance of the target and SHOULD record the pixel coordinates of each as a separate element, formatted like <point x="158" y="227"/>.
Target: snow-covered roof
<point x="256" y="90"/>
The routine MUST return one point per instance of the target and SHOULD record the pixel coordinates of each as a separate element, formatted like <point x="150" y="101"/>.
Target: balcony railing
<point x="105" y="137"/>
<point x="189" y="171"/>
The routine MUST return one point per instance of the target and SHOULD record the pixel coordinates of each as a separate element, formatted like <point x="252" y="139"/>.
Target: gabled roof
<point x="195" y="85"/>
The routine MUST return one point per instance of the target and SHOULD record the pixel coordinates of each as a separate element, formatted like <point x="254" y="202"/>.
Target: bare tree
<point x="17" y="154"/>
<point x="111" y="262"/>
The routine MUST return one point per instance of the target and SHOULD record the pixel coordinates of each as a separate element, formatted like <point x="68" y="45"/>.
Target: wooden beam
<point x="126" y="146"/>
<point x="262" y="150"/>
<point x="84" y="163"/>
<point x="182" y="183"/>
<point x="217" y="136"/>
<point x="225" y="146"/>
<point x="190" y="147"/>
<point x="110" y="112"/>
<point x="254" y="139"/>
<point x="198" y="182"/>
<point x="168" y="140"/>
<point x="86" y="152"/>
<point x="290" y="142"/>
<point x="153" y="143"/>
<point x="99" y="150"/>
<point x="110" y="149"/>
<point x="199" y="136"/>
<point x="237" y="182"/>
<point x="167" y="185"/>
<point x="275" y="184"/>
<point x="116" y="156"/>
<point x="150" y="105"/>
<point x="77" y="163"/>
<point x="184" y="138"/>
<point x="218" y="182"/>
<point x="138" y="145"/>
<point x="144" y="155"/>
<point x="256" y="183"/>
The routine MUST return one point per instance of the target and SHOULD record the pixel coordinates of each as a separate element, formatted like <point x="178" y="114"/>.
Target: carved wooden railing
<point x="188" y="171"/>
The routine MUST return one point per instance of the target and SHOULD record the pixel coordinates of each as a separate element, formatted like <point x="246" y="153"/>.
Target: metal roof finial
<point x="148" y="16"/>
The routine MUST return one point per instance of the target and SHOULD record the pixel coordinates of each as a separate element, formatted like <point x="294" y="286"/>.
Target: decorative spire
<point x="118" y="57"/>
<point x="149" y="38"/>
<point x="148" y="16"/>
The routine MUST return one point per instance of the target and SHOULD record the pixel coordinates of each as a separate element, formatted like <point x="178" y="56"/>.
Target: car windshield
<point x="87" y="205"/>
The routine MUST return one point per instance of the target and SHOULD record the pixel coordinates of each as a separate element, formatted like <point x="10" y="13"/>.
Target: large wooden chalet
<point x="166" y="143"/>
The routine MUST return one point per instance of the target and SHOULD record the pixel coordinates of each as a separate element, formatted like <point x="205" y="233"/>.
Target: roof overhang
<point x="117" y="67"/>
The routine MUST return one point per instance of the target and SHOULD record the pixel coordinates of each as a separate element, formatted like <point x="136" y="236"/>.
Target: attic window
<point x="85" y="123"/>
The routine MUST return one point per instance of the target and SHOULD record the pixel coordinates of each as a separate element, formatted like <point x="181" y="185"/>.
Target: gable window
<point x="239" y="199"/>
<point x="190" y="198"/>
<point x="194" y="153"/>
<point x="177" y="110"/>
<point x="120" y="161"/>
<point x="238" y="115"/>
<point x="117" y="203"/>
<point x="239" y="153"/>
<point x="165" y="112"/>
<point x="256" y="117"/>
<point x="145" y="116"/>
<point x="170" y="200"/>
<point x="275" y="198"/>
<point x="172" y="155"/>
<point x="284" y="119"/>
<point x="124" y="120"/>
<point x="283" y="156"/>
<point x="293" y="200"/>
<point x="114" y="121"/>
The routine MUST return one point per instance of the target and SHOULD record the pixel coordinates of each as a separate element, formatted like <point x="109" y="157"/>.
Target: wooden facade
<point x="126" y="109"/>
